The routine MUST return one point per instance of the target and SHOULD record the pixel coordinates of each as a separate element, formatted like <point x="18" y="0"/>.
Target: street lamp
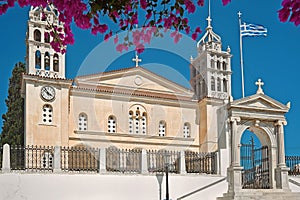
<point x="167" y="162"/>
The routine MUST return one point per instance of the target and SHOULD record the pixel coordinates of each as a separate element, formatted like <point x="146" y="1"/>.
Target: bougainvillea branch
<point x="152" y="17"/>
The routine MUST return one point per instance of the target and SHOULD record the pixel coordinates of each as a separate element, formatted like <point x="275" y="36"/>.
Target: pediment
<point x="136" y="78"/>
<point x="259" y="102"/>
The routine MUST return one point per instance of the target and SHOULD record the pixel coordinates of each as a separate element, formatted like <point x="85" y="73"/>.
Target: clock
<point x="48" y="93"/>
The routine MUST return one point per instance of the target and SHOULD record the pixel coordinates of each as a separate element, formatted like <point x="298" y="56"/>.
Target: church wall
<point x="98" y="109"/>
<point x="37" y="131"/>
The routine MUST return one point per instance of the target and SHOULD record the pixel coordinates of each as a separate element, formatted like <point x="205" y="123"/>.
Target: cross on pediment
<point x="136" y="60"/>
<point x="259" y="83"/>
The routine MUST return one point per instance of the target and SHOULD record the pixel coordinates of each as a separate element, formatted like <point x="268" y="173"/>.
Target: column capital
<point x="235" y="119"/>
<point x="280" y="123"/>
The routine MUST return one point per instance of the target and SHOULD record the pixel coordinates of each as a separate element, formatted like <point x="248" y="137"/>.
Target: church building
<point x="134" y="108"/>
<point x="126" y="108"/>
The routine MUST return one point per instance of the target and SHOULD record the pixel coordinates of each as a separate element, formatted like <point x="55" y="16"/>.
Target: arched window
<point x="225" y="85"/>
<point x="186" y="130"/>
<point x="37" y="35"/>
<point x="137" y="120"/>
<point x="144" y="123"/>
<point x="112" y="124"/>
<point x="218" y="65"/>
<point x="82" y="122"/>
<point x="47" y="114"/>
<point x="212" y="64"/>
<point x="219" y="84"/>
<point x="47" y="160"/>
<point x="130" y="122"/>
<point x="162" y="128"/>
<point x="224" y="66"/>
<point x="55" y="63"/>
<point x="47" y="61"/>
<point x="47" y="37"/>
<point x="213" y="83"/>
<point x="38" y="59"/>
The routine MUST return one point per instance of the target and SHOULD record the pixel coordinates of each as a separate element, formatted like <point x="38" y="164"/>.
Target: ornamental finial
<point x="259" y="83"/>
<point x="136" y="59"/>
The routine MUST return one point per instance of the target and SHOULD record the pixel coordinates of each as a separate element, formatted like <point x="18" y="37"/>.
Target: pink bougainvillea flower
<point x="116" y="39"/>
<point x="200" y="2"/>
<point x="198" y="30"/>
<point x="140" y="48"/>
<point x="3" y="9"/>
<point x="284" y="14"/>
<point x="189" y="6"/>
<point x="107" y="36"/>
<point x="225" y="2"/>
<point x="143" y="4"/>
<point x="121" y="47"/>
<point x="194" y="36"/>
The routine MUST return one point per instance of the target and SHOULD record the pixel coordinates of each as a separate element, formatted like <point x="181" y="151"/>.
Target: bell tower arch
<point x="41" y="58"/>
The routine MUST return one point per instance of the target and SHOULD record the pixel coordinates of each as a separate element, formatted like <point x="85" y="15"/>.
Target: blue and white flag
<point x="253" y="30"/>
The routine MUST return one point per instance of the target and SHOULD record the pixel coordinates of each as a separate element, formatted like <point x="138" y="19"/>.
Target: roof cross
<point x="136" y="60"/>
<point x="259" y="83"/>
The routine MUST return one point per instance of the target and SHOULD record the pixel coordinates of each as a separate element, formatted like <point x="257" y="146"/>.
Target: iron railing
<point x="31" y="158"/>
<point x="201" y="162"/>
<point x="293" y="162"/>
<point x="79" y="159"/>
<point x="123" y="160"/>
<point x="156" y="161"/>
<point x="255" y="162"/>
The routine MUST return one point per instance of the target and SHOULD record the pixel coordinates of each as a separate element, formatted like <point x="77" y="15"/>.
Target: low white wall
<point x="294" y="187"/>
<point x="107" y="187"/>
<point x="21" y="186"/>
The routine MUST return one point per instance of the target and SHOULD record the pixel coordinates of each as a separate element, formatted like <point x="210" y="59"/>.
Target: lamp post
<point x="167" y="162"/>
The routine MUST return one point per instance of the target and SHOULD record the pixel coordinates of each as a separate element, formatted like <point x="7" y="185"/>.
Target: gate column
<point x="235" y="170"/>
<point x="281" y="172"/>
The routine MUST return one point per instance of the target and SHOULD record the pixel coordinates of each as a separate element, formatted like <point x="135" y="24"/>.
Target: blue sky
<point x="274" y="58"/>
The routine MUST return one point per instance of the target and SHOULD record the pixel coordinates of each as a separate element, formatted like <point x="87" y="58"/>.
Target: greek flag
<point x="253" y="30"/>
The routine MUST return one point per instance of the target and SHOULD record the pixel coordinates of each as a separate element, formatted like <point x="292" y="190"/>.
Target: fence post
<point x="6" y="159"/>
<point x="182" y="166"/>
<point x="144" y="162"/>
<point x="215" y="158"/>
<point x="102" y="160"/>
<point x="57" y="160"/>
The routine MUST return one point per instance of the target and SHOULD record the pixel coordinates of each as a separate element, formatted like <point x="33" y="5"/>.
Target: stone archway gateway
<point x="264" y="117"/>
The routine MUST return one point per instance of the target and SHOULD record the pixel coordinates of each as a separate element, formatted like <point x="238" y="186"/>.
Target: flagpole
<point x="241" y="55"/>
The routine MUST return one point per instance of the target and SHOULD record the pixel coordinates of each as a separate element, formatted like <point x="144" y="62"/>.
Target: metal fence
<point x="201" y="162"/>
<point x="293" y="162"/>
<point x="31" y="158"/>
<point x="124" y="160"/>
<point x="79" y="159"/>
<point x="157" y="160"/>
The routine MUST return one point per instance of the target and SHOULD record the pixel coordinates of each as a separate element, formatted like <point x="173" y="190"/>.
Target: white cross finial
<point x="239" y="14"/>
<point x="259" y="83"/>
<point x="136" y="60"/>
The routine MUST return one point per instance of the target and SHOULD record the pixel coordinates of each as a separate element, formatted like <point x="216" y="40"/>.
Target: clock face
<point x="48" y="93"/>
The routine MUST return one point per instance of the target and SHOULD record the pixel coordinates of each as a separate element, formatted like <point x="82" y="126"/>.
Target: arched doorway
<point x="255" y="160"/>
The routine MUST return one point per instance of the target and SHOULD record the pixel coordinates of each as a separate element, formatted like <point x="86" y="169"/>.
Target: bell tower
<point x="41" y="58"/>
<point x="210" y="74"/>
